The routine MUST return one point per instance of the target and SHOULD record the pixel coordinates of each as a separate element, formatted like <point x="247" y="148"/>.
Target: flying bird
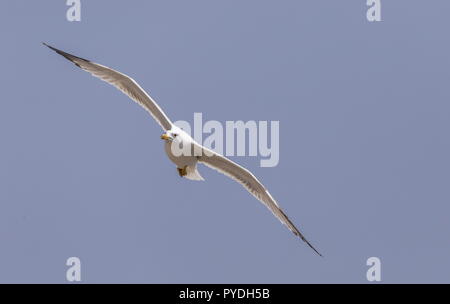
<point x="173" y="136"/>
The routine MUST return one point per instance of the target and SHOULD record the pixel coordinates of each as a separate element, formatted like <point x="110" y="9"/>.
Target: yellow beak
<point x="165" y="137"/>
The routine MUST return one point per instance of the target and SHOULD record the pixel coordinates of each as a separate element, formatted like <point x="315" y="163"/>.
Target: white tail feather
<point x="193" y="174"/>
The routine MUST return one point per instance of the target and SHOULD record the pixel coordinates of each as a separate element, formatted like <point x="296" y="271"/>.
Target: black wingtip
<point x="50" y="47"/>
<point x="66" y="55"/>
<point x="297" y="233"/>
<point x="312" y="247"/>
<point x="316" y="251"/>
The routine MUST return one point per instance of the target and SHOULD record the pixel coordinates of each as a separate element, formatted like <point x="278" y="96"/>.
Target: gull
<point x="175" y="137"/>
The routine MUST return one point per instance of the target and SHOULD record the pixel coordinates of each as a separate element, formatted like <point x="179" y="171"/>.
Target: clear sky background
<point x="364" y="147"/>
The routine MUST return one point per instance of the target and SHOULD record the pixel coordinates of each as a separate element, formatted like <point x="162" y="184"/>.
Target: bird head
<point x="176" y="135"/>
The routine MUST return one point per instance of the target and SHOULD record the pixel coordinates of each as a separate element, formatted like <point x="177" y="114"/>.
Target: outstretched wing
<point x="124" y="83"/>
<point x="251" y="183"/>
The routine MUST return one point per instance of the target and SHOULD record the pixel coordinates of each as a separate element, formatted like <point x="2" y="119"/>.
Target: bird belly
<point x="180" y="160"/>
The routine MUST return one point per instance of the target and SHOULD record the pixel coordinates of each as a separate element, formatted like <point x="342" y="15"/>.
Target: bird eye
<point x="175" y="135"/>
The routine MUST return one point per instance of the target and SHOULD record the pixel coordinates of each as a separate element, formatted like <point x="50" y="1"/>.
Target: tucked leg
<point x="182" y="171"/>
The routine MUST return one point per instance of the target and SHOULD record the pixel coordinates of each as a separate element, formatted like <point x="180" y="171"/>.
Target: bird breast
<point x="186" y="159"/>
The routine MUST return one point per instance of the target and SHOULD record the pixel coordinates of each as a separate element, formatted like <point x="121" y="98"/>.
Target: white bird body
<point x="184" y="161"/>
<point x="174" y="137"/>
<point x="180" y="161"/>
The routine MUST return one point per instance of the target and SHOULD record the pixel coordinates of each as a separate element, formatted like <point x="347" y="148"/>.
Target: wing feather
<point x="252" y="184"/>
<point x="122" y="82"/>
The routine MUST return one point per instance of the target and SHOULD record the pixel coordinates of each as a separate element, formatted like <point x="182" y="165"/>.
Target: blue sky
<point x="364" y="168"/>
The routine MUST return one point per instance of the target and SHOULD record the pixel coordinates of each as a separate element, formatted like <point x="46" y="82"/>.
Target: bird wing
<point x="251" y="183"/>
<point x="123" y="82"/>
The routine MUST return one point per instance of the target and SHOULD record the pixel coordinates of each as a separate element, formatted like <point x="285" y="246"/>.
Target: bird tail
<point x="193" y="174"/>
